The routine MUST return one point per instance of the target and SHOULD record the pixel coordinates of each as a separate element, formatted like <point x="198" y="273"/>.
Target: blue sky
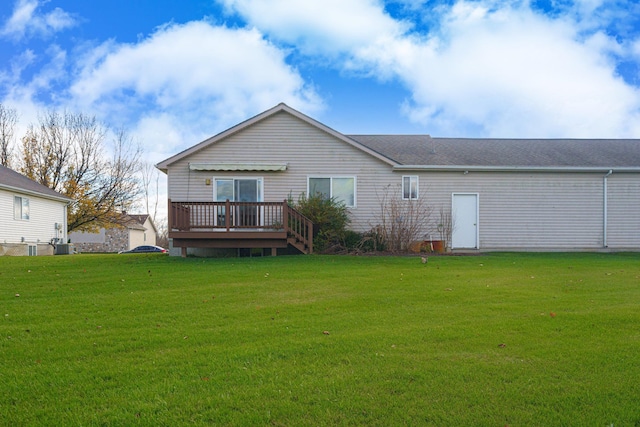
<point x="174" y="72"/>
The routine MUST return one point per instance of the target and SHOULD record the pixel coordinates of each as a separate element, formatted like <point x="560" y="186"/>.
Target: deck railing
<point x="233" y="216"/>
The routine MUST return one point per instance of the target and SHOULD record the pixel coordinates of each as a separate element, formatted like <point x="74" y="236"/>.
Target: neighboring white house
<point x="132" y="231"/>
<point x="33" y="217"/>
<point x="503" y="194"/>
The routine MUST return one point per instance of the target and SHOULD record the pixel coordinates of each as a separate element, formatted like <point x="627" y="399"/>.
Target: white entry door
<point x="464" y="212"/>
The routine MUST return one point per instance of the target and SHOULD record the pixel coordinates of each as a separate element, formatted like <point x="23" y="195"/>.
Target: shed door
<point x="465" y="221"/>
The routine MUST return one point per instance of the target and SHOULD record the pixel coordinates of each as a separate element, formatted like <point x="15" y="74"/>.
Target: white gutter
<point x="458" y="168"/>
<point x="605" y="207"/>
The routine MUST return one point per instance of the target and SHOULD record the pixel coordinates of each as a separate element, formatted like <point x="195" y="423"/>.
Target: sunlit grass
<point x="502" y="339"/>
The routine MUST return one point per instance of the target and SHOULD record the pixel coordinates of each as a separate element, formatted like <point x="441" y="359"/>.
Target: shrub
<point x="330" y="219"/>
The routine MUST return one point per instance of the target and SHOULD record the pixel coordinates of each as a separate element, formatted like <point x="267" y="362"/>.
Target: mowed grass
<point x="492" y="340"/>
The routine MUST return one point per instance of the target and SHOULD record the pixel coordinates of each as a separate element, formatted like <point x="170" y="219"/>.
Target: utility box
<point x="64" y="249"/>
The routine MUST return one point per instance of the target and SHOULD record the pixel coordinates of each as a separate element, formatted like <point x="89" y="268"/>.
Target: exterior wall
<point x="39" y="228"/>
<point x="517" y="210"/>
<point x="114" y="239"/>
<point x="149" y="237"/>
<point x="23" y="249"/>
<point x="137" y="238"/>
<point x="82" y="237"/>
<point x="623" y="213"/>
<point x="307" y="150"/>
<point x="140" y="237"/>
<point x="111" y="240"/>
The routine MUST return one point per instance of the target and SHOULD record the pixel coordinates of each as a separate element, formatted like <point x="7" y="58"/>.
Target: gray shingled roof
<point x="12" y="180"/>
<point x="423" y="150"/>
<point x="141" y="219"/>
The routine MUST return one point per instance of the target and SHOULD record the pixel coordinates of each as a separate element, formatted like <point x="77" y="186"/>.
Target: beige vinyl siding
<point x="282" y="138"/>
<point x="623" y="199"/>
<point x="43" y="214"/>
<point x="527" y="210"/>
<point x="517" y="210"/>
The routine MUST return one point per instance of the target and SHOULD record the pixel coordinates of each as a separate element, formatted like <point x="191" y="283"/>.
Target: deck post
<point x="227" y="216"/>
<point x="310" y="236"/>
<point x="274" y="251"/>
<point x="285" y="215"/>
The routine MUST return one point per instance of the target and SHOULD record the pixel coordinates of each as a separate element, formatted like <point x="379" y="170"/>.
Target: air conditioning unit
<point x="64" y="249"/>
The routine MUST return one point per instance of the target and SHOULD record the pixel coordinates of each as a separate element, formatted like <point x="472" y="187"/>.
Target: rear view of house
<point x="33" y="217"/>
<point x="500" y="194"/>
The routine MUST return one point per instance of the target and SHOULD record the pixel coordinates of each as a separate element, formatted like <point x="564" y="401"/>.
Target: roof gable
<point x="163" y="165"/>
<point x="424" y="152"/>
<point x="14" y="181"/>
<point x="142" y="219"/>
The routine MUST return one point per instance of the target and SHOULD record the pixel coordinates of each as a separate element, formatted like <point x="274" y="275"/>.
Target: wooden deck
<point x="230" y="224"/>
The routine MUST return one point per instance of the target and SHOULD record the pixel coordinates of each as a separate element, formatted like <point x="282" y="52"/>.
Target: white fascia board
<point x="569" y="169"/>
<point x="64" y="199"/>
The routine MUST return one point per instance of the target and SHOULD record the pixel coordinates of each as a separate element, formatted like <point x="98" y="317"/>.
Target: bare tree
<point x="8" y="121"/>
<point x="401" y="222"/>
<point x="151" y="189"/>
<point x="162" y="238"/>
<point x="66" y="152"/>
<point x="446" y="226"/>
<point x="150" y="186"/>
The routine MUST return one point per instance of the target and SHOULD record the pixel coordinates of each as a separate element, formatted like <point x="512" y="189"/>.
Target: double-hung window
<point x="410" y="188"/>
<point x="21" y="208"/>
<point x="342" y="189"/>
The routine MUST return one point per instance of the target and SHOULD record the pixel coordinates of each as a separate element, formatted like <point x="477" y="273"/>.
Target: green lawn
<point x="492" y="340"/>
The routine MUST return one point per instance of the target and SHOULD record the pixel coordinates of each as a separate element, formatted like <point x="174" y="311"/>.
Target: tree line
<point x="81" y="158"/>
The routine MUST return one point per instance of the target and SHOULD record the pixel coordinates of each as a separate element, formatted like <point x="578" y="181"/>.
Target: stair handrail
<point x="298" y="226"/>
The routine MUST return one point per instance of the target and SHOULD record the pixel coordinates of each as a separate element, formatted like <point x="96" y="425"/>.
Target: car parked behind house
<point x="145" y="249"/>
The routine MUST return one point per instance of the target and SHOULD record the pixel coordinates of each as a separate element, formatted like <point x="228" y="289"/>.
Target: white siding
<point x="150" y="233"/>
<point x="136" y="238"/>
<point x="43" y="215"/>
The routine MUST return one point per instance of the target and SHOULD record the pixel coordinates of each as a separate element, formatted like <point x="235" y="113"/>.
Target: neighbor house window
<point x="342" y="189"/>
<point x="20" y="208"/>
<point x="410" y="187"/>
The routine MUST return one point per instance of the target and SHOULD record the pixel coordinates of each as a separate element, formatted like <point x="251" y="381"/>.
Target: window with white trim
<point x="410" y="187"/>
<point x="342" y="189"/>
<point x="20" y="208"/>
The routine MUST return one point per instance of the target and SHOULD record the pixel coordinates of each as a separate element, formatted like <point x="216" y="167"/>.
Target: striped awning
<point x="238" y="167"/>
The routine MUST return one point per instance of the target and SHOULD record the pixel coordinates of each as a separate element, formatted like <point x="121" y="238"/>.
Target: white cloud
<point x="488" y="68"/>
<point x="205" y="77"/>
<point x="26" y="21"/>
<point x="510" y="72"/>
<point x="25" y="96"/>
<point x="329" y="26"/>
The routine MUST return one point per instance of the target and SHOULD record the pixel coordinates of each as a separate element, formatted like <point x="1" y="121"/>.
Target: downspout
<point x="605" y="207"/>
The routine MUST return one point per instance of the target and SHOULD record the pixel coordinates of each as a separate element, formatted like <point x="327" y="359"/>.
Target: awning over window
<point x="232" y="167"/>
